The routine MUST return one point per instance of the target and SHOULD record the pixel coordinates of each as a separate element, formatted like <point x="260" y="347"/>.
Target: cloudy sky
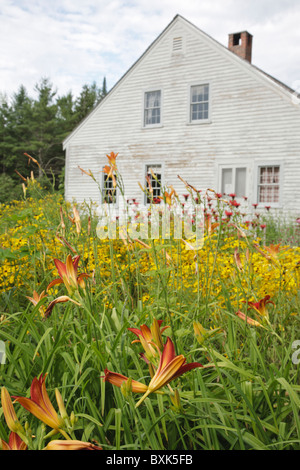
<point x="73" y="42"/>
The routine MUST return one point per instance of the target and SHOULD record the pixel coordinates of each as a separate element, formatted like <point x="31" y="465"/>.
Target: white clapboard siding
<point x="253" y="120"/>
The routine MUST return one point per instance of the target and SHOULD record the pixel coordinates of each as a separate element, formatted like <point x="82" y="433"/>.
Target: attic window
<point x="177" y="44"/>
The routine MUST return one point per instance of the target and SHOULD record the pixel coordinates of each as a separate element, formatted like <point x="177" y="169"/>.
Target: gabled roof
<point x="259" y="72"/>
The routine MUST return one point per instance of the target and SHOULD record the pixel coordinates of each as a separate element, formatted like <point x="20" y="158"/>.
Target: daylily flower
<point x="76" y="220"/>
<point x="118" y="379"/>
<point x="167" y="197"/>
<point x="247" y="319"/>
<point x="109" y="171"/>
<point x="170" y="367"/>
<point x="61" y="299"/>
<point x="274" y="250"/>
<point x="40" y="405"/>
<point x="112" y="159"/>
<point x="237" y="259"/>
<point x="71" y="445"/>
<point x="88" y="173"/>
<point x="35" y="299"/>
<point x="149" y="336"/>
<point x="260" y="306"/>
<point x="68" y="274"/>
<point x="14" y="443"/>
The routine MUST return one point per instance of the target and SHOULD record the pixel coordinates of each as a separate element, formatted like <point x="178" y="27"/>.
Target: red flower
<point x="234" y="203"/>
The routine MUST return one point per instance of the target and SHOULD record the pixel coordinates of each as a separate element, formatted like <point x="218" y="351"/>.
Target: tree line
<point x="37" y="126"/>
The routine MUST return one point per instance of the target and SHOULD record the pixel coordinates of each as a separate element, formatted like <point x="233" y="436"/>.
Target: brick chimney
<point x="241" y="44"/>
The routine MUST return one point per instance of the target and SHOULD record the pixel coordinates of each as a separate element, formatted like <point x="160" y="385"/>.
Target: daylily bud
<point x="72" y="418"/>
<point x="156" y="333"/>
<point x="175" y="399"/>
<point x="9" y="412"/>
<point x="61" y="405"/>
<point x="126" y="387"/>
<point x="71" y="445"/>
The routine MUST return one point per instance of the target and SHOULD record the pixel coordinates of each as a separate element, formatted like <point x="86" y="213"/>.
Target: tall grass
<point x="246" y="395"/>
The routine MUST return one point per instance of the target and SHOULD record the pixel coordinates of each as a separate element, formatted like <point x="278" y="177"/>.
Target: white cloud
<point x="74" y="42"/>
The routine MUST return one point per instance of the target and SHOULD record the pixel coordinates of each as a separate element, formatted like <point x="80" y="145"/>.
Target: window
<point x="268" y="184"/>
<point x="233" y="180"/>
<point x="199" y="103"/>
<point x="109" y="193"/>
<point x="152" y="108"/>
<point x="154" y="176"/>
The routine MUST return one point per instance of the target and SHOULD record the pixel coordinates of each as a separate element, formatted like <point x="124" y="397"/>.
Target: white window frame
<point x="189" y="94"/>
<point x="234" y="167"/>
<point x="266" y="163"/>
<point x="151" y="90"/>
<point x="146" y="166"/>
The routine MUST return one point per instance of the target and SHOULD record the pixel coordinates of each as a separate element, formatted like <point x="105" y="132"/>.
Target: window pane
<point x="240" y="182"/>
<point x="268" y="184"/>
<point x="152" y="107"/>
<point x="226" y="180"/>
<point x="154" y="180"/>
<point x="199" y="102"/>
<point x="109" y="192"/>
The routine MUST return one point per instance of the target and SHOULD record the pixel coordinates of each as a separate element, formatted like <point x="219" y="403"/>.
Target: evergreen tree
<point x="104" y="88"/>
<point x="38" y="126"/>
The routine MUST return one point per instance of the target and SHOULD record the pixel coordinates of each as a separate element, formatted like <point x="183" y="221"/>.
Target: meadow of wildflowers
<point x="129" y="343"/>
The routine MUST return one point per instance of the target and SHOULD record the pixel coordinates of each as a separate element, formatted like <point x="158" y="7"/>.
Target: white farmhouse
<point x="191" y="107"/>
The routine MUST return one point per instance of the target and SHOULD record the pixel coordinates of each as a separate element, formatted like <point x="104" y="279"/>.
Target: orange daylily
<point x="167" y="197"/>
<point x="68" y="274"/>
<point x="71" y="445"/>
<point x="118" y="379"/>
<point x="260" y="306"/>
<point x="35" y="299"/>
<point x="32" y="159"/>
<point x="150" y="337"/>
<point x="109" y="171"/>
<point x="61" y="299"/>
<point x="112" y="159"/>
<point x="170" y="367"/>
<point x="76" y="219"/>
<point x="88" y="173"/>
<point x="14" y="443"/>
<point x="249" y="320"/>
<point x="274" y="250"/>
<point x="40" y="405"/>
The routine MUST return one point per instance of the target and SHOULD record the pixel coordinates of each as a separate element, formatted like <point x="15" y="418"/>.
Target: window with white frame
<point x="109" y="192"/>
<point x="234" y="180"/>
<point x="152" y="108"/>
<point x="199" y="103"/>
<point x="154" y="177"/>
<point x="268" y="184"/>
